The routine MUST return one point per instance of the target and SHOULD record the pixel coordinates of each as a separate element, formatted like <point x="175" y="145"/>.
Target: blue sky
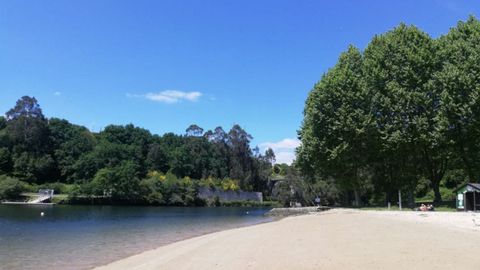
<point x="163" y="65"/>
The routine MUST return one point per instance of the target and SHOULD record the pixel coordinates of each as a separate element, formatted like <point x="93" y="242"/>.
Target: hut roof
<point x="473" y="185"/>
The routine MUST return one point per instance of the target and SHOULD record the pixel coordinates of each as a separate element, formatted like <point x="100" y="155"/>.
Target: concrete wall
<point x="229" y="196"/>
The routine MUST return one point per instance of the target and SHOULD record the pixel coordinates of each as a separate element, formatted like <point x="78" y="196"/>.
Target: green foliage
<point x="157" y="158"/>
<point x="168" y="189"/>
<point x="10" y="188"/>
<point x="26" y="125"/>
<point x="53" y="153"/>
<point x="119" y="182"/>
<point x="402" y="115"/>
<point x="459" y="82"/>
<point x="399" y="66"/>
<point x="33" y="167"/>
<point x="69" y="143"/>
<point x="152" y="190"/>
<point x="446" y="193"/>
<point x="5" y="160"/>
<point x="280" y="169"/>
<point x="220" y="184"/>
<point x="59" y="188"/>
<point x="454" y="178"/>
<point x="283" y="193"/>
<point x="337" y="126"/>
<point x="3" y="122"/>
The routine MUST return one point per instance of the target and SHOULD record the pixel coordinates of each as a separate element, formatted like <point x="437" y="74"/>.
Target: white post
<point x="400" y="200"/>
<point x="388" y="205"/>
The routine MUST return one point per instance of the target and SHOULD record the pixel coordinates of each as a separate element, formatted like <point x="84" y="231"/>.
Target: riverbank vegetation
<point x="403" y="114"/>
<point x="124" y="163"/>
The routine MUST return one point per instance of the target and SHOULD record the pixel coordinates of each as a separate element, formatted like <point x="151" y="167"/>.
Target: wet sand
<point x="336" y="239"/>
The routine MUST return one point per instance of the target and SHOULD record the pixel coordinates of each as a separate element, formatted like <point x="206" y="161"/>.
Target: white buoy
<point x="42" y="214"/>
<point x="248" y="212"/>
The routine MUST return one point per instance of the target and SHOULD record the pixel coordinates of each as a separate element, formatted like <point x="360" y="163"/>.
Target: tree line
<point x="125" y="161"/>
<point x="403" y="114"/>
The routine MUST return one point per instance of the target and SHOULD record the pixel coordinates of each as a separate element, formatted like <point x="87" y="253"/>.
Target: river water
<point x="81" y="237"/>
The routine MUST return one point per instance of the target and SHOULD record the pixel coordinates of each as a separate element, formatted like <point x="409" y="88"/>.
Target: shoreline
<point x="190" y="237"/>
<point x="84" y="237"/>
<point x="194" y="238"/>
<point x="335" y="239"/>
<point x="275" y="214"/>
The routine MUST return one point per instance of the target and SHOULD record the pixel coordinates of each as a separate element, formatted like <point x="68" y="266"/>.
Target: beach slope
<point x="337" y="239"/>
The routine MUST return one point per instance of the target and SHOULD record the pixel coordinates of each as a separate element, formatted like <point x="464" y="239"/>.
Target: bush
<point x="168" y="189"/>
<point x="454" y="178"/>
<point x="30" y="187"/>
<point x="10" y="188"/>
<point x="74" y="191"/>
<point x="59" y="188"/>
<point x="152" y="189"/>
<point x="283" y="193"/>
<point x="447" y="195"/>
<point x="220" y="184"/>
<point x="229" y="184"/>
<point x="176" y="199"/>
<point x="119" y="182"/>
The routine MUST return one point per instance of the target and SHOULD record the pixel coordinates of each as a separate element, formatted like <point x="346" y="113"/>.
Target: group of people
<point x="425" y="208"/>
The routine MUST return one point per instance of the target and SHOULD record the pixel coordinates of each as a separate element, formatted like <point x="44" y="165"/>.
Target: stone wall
<point x="229" y="196"/>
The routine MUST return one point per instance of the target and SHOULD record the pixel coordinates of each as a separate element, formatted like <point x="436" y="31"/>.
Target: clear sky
<point x="163" y="65"/>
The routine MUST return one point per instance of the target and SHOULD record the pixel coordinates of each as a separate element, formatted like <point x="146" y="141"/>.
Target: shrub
<point x="168" y="189"/>
<point x="207" y="182"/>
<point x="10" y="188"/>
<point x="151" y="189"/>
<point x="230" y="184"/>
<point x="59" y="188"/>
<point x="221" y="184"/>
<point x="447" y="195"/>
<point x="176" y="199"/>
<point x="119" y="182"/>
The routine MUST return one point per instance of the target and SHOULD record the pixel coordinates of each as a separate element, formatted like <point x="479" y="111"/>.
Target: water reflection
<point x="80" y="237"/>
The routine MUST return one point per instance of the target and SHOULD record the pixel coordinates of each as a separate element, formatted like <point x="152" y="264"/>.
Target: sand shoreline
<point x="337" y="239"/>
<point x="186" y="238"/>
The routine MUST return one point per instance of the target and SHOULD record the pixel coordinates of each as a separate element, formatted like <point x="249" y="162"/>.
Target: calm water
<point x="81" y="237"/>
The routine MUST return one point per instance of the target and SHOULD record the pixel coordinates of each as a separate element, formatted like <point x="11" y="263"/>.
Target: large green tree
<point x="120" y="182"/>
<point x="337" y="126"/>
<point x="70" y="142"/>
<point x="409" y="105"/>
<point x="29" y="141"/>
<point x="459" y="82"/>
<point x="398" y="69"/>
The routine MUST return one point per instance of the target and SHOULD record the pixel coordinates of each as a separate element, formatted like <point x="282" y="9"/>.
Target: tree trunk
<point x="411" y="199"/>
<point x="388" y="198"/>
<point x="347" y="198"/>
<point x="357" y="198"/>
<point x="436" y="190"/>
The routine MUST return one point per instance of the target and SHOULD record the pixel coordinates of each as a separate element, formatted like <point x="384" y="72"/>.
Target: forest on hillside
<point x="126" y="163"/>
<point x="403" y="114"/>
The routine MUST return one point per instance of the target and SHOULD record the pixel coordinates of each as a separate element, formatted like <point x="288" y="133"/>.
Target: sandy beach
<point x="336" y="239"/>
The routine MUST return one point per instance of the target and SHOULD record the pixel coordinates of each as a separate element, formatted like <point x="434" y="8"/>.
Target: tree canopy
<point x="402" y="112"/>
<point x="115" y="161"/>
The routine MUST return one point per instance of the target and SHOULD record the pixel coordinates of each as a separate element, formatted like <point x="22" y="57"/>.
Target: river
<point x="81" y="237"/>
